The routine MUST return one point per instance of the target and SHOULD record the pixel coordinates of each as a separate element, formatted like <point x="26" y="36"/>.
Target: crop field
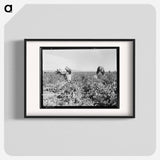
<point x="83" y="90"/>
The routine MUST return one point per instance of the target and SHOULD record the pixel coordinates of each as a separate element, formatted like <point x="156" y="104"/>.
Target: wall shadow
<point x="16" y="88"/>
<point x="18" y="79"/>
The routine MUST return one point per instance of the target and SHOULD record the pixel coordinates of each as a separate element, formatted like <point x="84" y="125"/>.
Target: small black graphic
<point x="8" y="8"/>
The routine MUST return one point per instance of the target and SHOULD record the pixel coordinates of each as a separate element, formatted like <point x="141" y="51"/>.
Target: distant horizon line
<point x="77" y="71"/>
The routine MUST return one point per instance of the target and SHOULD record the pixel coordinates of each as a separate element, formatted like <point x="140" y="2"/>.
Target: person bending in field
<point x="100" y="72"/>
<point x="67" y="73"/>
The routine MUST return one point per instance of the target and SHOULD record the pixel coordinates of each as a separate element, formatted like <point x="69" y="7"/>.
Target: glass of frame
<point x="80" y="78"/>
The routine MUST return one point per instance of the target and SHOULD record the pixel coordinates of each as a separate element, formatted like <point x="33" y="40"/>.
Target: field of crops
<point x="83" y="90"/>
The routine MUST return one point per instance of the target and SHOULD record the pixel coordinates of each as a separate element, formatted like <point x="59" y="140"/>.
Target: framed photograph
<point x="79" y="78"/>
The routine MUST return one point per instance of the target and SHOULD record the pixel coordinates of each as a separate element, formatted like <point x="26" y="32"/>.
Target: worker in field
<point x="67" y="73"/>
<point x="100" y="72"/>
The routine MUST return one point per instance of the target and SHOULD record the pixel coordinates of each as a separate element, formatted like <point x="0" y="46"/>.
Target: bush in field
<point x="69" y="95"/>
<point x="100" y="92"/>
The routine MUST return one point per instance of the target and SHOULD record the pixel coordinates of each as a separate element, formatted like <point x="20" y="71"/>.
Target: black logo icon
<point x="8" y="8"/>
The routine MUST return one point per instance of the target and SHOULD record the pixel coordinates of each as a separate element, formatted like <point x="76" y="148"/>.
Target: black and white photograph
<point x="79" y="77"/>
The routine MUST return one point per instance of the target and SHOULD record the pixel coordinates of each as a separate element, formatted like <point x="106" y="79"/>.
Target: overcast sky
<point x="79" y="59"/>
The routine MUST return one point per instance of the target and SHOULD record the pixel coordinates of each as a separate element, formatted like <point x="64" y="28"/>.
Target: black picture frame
<point x="25" y="76"/>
